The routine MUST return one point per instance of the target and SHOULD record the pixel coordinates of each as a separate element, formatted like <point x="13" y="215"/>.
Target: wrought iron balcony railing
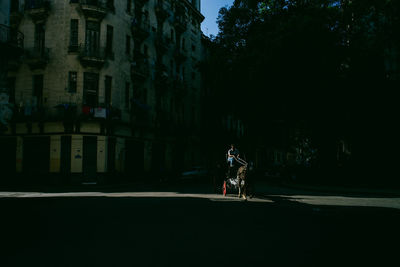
<point x="96" y="9"/>
<point x="180" y="56"/>
<point x="180" y="23"/>
<point x="161" y="10"/>
<point x="37" y="4"/>
<point x="38" y="10"/>
<point x="37" y="57"/>
<point x="16" y="14"/>
<point x="140" y="30"/>
<point x="11" y="37"/>
<point x="140" y="68"/>
<point x="92" y="56"/>
<point x="162" y="43"/>
<point x="140" y="3"/>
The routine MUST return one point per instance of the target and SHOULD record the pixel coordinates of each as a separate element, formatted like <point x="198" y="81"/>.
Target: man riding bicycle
<point x="233" y="157"/>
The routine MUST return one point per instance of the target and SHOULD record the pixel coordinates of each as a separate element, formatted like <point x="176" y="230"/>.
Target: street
<point x="188" y="225"/>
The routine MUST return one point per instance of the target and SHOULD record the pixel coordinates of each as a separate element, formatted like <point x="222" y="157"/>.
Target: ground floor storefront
<point x="91" y="157"/>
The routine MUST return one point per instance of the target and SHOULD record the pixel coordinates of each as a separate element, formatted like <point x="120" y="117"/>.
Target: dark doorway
<point x="90" y="89"/>
<point x="8" y="147"/>
<point x="134" y="158"/>
<point x="38" y="89"/>
<point x="11" y="89"/>
<point x="108" y="85"/>
<point x="65" y="164"/>
<point x="89" y="158"/>
<point x="111" y="154"/>
<point x="178" y="158"/>
<point x="158" y="157"/>
<point x="36" y="155"/>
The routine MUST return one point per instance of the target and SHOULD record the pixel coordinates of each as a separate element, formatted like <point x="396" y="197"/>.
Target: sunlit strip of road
<point x="212" y="197"/>
<point x="305" y="199"/>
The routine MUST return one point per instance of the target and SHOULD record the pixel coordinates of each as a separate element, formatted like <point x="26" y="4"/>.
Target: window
<point x="172" y="35"/>
<point x="146" y="50"/>
<point x="128" y="6"/>
<point x="128" y="45"/>
<point x="92" y="37"/>
<point x="72" y="81"/>
<point x="171" y="67"/>
<point x="108" y="85"/>
<point x="38" y="89"/>
<point x="11" y="89"/>
<point x="193" y="48"/>
<point x="39" y="37"/>
<point x="127" y="86"/>
<point x="14" y="6"/>
<point x="90" y="89"/>
<point x="183" y="44"/>
<point x="144" y="95"/>
<point x="110" y="5"/>
<point x="109" y="41"/>
<point x="73" y="36"/>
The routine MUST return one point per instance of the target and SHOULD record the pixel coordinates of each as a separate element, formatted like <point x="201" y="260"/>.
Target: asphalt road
<point x="187" y="225"/>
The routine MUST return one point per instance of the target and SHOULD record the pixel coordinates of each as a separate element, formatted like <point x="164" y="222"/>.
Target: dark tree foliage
<point x="320" y="61"/>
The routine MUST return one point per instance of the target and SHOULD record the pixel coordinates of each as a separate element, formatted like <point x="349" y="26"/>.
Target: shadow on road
<point x="193" y="231"/>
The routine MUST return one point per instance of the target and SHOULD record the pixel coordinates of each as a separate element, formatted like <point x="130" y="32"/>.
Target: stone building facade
<point x="105" y="86"/>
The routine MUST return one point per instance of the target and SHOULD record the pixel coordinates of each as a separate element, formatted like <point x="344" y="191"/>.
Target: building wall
<point x="61" y="62"/>
<point x="5" y="12"/>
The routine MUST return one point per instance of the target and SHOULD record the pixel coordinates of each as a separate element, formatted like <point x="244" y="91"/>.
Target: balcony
<point x="38" y="10"/>
<point x="11" y="42"/>
<point x="140" y="3"/>
<point x="140" y="67"/>
<point x="91" y="56"/>
<point x="162" y="80"/>
<point x="142" y="120"/>
<point x="95" y="9"/>
<point x="179" y="87"/>
<point x="140" y="115"/>
<point x="140" y="31"/>
<point x="180" y="19"/>
<point x="13" y="64"/>
<point x="162" y="76"/>
<point x="163" y="123"/>
<point x="180" y="56"/>
<point x="37" y="57"/>
<point x="16" y="15"/>
<point x="161" y="10"/>
<point x="162" y="44"/>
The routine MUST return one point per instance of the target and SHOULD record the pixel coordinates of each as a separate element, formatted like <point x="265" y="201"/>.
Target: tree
<point x="312" y="60"/>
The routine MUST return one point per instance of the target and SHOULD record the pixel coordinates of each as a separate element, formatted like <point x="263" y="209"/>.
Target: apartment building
<point x="105" y="87"/>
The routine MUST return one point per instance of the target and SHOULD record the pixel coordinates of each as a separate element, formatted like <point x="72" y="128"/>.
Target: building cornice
<point x="195" y="11"/>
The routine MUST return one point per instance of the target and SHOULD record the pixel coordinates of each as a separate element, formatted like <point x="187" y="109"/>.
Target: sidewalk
<point x="335" y="189"/>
